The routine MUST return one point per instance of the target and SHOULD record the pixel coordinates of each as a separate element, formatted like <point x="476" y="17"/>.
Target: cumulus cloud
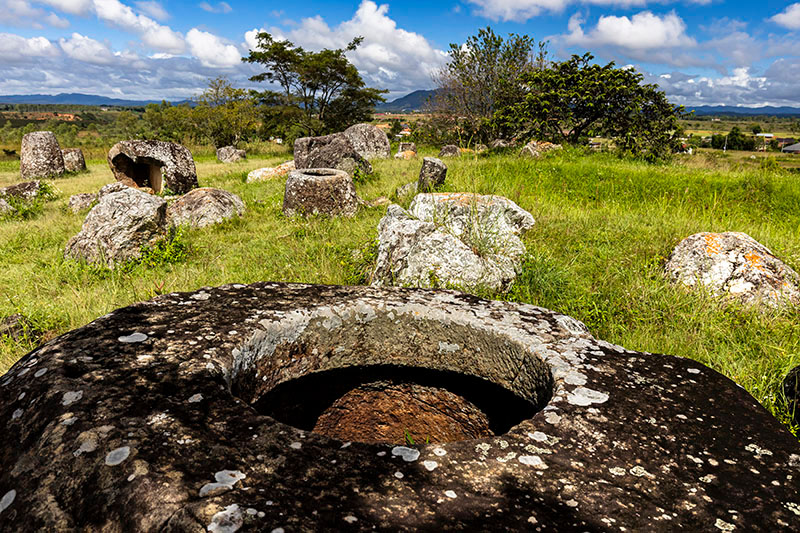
<point x="211" y="50"/>
<point x="154" y="9"/>
<point x="14" y="48"/>
<point x="642" y="31"/>
<point x="390" y="57"/>
<point x="789" y="18"/>
<point x="522" y="10"/>
<point x="73" y="7"/>
<point x="222" y="7"/>
<point x="23" y="13"/>
<point x="87" y="49"/>
<point x="153" y="34"/>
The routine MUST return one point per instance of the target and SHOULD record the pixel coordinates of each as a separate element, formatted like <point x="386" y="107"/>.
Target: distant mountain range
<point x="411" y="102"/>
<point x="414" y="101"/>
<point x="73" y="99"/>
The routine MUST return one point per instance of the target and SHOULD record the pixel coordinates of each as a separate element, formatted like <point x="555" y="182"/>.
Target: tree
<point x="756" y="128"/>
<point x="224" y="114"/>
<point x="483" y="76"/>
<point x="166" y="122"/>
<point x="573" y="99"/>
<point x="321" y="92"/>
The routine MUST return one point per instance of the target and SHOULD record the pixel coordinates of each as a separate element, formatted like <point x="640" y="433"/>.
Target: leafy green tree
<point x="166" y="122"/>
<point x="574" y="99"/>
<point x="321" y="92"/>
<point x="483" y="76"/>
<point x="127" y="124"/>
<point x="756" y="128"/>
<point x="224" y="115"/>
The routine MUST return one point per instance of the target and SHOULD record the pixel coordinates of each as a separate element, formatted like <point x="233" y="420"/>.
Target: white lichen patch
<point x="439" y="452"/>
<point x="538" y="436"/>
<point x="408" y="454"/>
<point x="399" y="475"/>
<point x="532" y="460"/>
<point x="757" y="450"/>
<point x="195" y="398"/>
<point x="117" y="455"/>
<point x="71" y="397"/>
<point x="638" y="471"/>
<point x="225" y="480"/>
<point x="552" y="418"/>
<point x="350" y="519"/>
<point x="39" y="373"/>
<point x="17" y="414"/>
<point x="507" y="457"/>
<point x="575" y="378"/>
<point x="296" y="445"/>
<point x="446" y="347"/>
<point x="451" y="494"/>
<point x="617" y="471"/>
<point x="86" y="446"/>
<point x="430" y="466"/>
<point x="133" y="337"/>
<point x="228" y="520"/>
<point x="7" y="500"/>
<point x="583" y="397"/>
<point x="793" y="507"/>
<point x="724" y="526"/>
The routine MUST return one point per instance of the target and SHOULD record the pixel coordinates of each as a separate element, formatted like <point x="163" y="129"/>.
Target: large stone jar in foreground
<point x="211" y="411"/>
<point x="319" y="191"/>
<point x="155" y="165"/>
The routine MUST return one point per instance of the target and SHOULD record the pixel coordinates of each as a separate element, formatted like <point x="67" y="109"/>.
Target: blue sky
<point x="698" y="51"/>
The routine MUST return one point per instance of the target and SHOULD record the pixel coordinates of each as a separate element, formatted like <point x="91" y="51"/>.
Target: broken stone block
<point x="153" y="164"/>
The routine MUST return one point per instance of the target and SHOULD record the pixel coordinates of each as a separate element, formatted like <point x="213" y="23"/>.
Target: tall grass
<point x="604" y="228"/>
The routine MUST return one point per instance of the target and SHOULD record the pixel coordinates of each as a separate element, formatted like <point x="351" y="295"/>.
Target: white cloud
<point x="517" y="10"/>
<point x="642" y="31"/>
<point x="57" y="22"/>
<point x="222" y="7"/>
<point x="73" y="7"/>
<point x="789" y="18"/>
<point x="14" y="48"/>
<point x="390" y="57"/>
<point x="250" y="38"/>
<point x="153" y="34"/>
<point x="87" y="49"/>
<point x="23" y="13"/>
<point x="211" y="50"/>
<point x="154" y="9"/>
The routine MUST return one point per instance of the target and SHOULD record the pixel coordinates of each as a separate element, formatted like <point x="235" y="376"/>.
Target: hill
<point x="411" y="102"/>
<point x="725" y="110"/>
<point x="73" y="99"/>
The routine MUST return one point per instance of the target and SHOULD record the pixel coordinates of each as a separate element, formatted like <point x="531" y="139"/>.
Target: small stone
<point x="432" y="174"/>
<point x="73" y="160"/>
<point x="117" y="455"/>
<point x="229" y="154"/>
<point x="203" y="207"/>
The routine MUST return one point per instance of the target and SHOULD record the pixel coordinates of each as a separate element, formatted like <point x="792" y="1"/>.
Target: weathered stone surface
<point x="5" y="207"/>
<point x="230" y="154"/>
<point x="40" y="156"/>
<point x="407" y="147"/>
<point x="157" y="417"/>
<point x="537" y="148"/>
<point x="153" y="164"/>
<point x="323" y="191"/>
<point x="118" y="226"/>
<point x="73" y="160"/>
<point x="112" y="188"/>
<point x="733" y="265"/>
<point x="369" y="141"/>
<point x="451" y="239"/>
<point x="450" y="150"/>
<point x="791" y="390"/>
<point x="267" y="173"/>
<point x="432" y="174"/>
<point x="329" y="151"/>
<point x="79" y="202"/>
<point x="204" y="207"/>
<point x="407" y="190"/>
<point x="500" y="144"/>
<point x="27" y="191"/>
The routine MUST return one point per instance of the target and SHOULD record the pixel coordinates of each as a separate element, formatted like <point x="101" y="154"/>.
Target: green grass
<point x="604" y="228"/>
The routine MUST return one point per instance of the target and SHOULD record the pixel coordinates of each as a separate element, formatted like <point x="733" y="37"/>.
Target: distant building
<point x="792" y="149"/>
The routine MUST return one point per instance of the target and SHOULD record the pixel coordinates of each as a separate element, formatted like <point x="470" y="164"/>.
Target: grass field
<point x="604" y="227"/>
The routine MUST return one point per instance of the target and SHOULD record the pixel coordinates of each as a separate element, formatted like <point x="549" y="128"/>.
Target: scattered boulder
<point x="480" y="148"/>
<point x="733" y="265"/>
<point x="574" y="433"/>
<point x="153" y="164"/>
<point x="450" y="150"/>
<point x="5" y="207"/>
<point x="500" y="144"/>
<point x="791" y="390"/>
<point x="406" y="151"/>
<point x="118" y="226"/>
<point x="324" y="191"/>
<point x="451" y="239"/>
<point x="26" y="191"/>
<point x="329" y="151"/>
<point x="267" y="173"/>
<point x="40" y="156"/>
<point x="538" y="148"/>
<point x="204" y="207"/>
<point x="82" y="201"/>
<point x="431" y="175"/>
<point x="369" y="141"/>
<point x="111" y="188"/>
<point x="73" y="160"/>
<point x="230" y="154"/>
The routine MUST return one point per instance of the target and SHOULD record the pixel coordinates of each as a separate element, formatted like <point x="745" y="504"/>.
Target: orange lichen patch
<point x="754" y="260"/>
<point x="408" y="154"/>
<point x="712" y="246"/>
<point x="467" y="150"/>
<point x="464" y="199"/>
